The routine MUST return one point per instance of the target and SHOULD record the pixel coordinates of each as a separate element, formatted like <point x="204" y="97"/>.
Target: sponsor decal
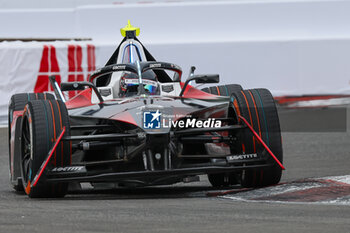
<point x="49" y="66"/>
<point x="136" y="81"/>
<point x="157" y="65"/>
<point x="151" y="120"/>
<point x="105" y="91"/>
<point x="119" y="67"/>
<point x="193" y="123"/>
<point x="167" y="88"/>
<point x="241" y="157"/>
<point x="68" y="169"/>
<point x="75" y="70"/>
<point x="155" y="120"/>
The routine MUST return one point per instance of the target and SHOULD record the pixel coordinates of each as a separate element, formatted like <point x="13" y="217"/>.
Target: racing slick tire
<point x="223" y="179"/>
<point x="257" y="106"/>
<point x="223" y="90"/>
<point x="17" y="103"/>
<point x="42" y="123"/>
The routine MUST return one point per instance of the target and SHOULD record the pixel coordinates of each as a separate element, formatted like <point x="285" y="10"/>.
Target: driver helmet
<point x="129" y="83"/>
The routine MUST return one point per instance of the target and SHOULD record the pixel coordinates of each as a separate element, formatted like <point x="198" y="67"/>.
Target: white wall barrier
<point x="186" y="21"/>
<point x="290" y="47"/>
<point x="286" y="68"/>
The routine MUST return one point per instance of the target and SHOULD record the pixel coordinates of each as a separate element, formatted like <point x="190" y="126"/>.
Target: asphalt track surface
<point x="187" y="207"/>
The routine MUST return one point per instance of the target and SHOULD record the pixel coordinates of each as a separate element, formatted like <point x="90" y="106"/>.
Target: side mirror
<point x="78" y="86"/>
<point x="202" y="78"/>
<point x="72" y="86"/>
<point x="206" y="78"/>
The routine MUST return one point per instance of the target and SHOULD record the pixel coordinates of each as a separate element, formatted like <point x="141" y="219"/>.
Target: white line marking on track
<point x="328" y="190"/>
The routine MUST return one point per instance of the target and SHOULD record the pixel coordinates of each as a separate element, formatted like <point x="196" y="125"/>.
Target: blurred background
<point x="298" y="49"/>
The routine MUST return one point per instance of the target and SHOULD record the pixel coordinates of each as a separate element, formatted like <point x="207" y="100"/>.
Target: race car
<point x="136" y="123"/>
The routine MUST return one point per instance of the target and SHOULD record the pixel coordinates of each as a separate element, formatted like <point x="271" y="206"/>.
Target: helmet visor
<point x="130" y="86"/>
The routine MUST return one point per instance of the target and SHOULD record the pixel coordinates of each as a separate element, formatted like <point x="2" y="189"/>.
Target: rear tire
<point x="257" y="106"/>
<point x="42" y="123"/>
<point x="17" y="103"/>
<point x="223" y="90"/>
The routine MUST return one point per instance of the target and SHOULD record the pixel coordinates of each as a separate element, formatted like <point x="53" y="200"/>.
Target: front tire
<point x="42" y="123"/>
<point x="257" y="106"/>
<point x="17" y="103"/>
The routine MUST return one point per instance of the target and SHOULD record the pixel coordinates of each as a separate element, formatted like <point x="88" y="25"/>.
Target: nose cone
<point x="153" y="113"/>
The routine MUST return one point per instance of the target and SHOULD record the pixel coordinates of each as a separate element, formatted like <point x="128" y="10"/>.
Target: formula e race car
<point x="135" y="123"/>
